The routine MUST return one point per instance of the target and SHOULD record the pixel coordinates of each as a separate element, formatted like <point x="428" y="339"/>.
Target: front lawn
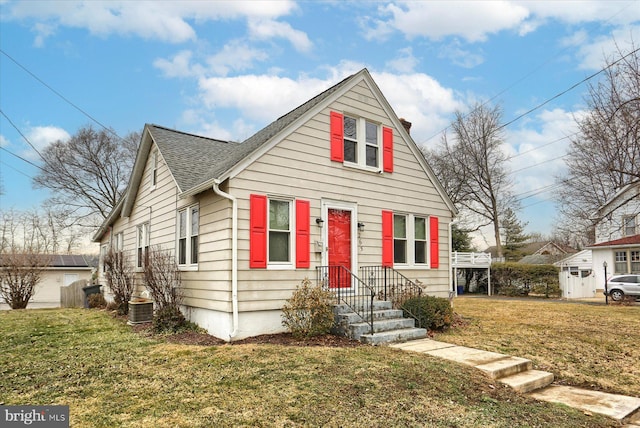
<point x="594" y="346"/>
<point x="110" y="376"/>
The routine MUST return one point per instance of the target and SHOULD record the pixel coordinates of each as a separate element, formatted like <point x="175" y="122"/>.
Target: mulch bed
<point x="283" y="339"/>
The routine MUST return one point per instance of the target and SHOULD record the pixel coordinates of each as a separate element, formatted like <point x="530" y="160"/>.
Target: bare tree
<point x="162" y="278"/>
<point x="20" y="272"/>
<point x="47" y="229"/>
<point x="605" y="155"/>
<point x="119" y="276"/>
<point x="88" y="173"/>
<point x="472" y="169"/>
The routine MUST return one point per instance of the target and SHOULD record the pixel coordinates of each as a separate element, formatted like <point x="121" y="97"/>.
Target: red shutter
<point x="302" y="234"/>
<point x="337" y="137"/>
<point x="387" y="149"/>
<point x="257" y="231"/>
<point x="387" y="238"/>
<point x="434" y="239"/>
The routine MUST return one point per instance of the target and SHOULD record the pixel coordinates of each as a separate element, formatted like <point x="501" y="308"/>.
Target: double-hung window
<point x="621" y="262"/>
<point x="399" y="239"/>
<point x="420" y="240"/>
<point x="188" y="231"/>
<point x="635" y="261"/>
<point x="629" y="225"/>
<point x="410" y="239"/>
<point x="142" y="244"/>
<point x="279" y="231"/>
<point x="118" y="242"/>
<point x="361" y="139"/>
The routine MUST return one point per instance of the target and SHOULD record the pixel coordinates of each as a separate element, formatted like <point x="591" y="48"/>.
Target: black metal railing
<point x="348" y="289"/>
<point x="389" y="284"/>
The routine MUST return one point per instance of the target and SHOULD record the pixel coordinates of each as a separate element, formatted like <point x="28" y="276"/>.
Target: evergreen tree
<point x="514" y="236"/>
<point x="460" y="239"/>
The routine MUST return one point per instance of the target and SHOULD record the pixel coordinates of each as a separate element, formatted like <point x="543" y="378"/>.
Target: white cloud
<point x="160" y="20"/>
<point x="537" y="149"/>
<point x="265" y="29"/>
<point x="405" y="62"/>
<point x="235" y="56"/>
<point x="592" y="53"/>
<point x="179" y="65"/>
<point x="4" y="142"/>
<point x="472" y="21"/>
<point x="613" y="12"/>
<point x="420" y="99"/>
<point x="260" y="99"/>
<point x="459" y="56"/>
<point x="40" y="137"/>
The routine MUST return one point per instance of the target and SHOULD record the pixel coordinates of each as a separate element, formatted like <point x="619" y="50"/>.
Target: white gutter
<point x="234" y="254"/>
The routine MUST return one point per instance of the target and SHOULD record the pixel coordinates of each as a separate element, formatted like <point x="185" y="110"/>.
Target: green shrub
<point x="518" y="279"/>
<point x="96" y="301"/>
<point x="308" y="312"/>
<point x="433" y="313"/>
<point x="169" y="320"/>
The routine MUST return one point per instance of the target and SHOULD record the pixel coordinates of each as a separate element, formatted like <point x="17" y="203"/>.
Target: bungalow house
<point x="618" y="234"/>
<point x="61" y="270"/>
<point x="338" y="181"/>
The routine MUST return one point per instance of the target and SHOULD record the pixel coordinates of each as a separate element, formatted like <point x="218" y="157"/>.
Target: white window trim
<point x="188" y="266"/>
<point x="411" y="242"/>
<point x="118" y="242"/>
<point x="142" y="228"/>
<point x="153" y="180"/>
<point x="631" y="219"/>
<point x="361" y="144"/>
<point x="325" y="206"/>
<point x="289" y="265"/>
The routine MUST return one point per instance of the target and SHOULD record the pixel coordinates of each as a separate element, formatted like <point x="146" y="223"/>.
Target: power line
<point x="71" y="103"/>
<point x="16" y="169"/>
<point x="22" y="135"/>
<point x="527" y="74"/>
<point x="22" y="159"/>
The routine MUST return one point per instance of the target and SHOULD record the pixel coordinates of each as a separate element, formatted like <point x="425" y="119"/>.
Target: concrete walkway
<point x="519" y="375"/>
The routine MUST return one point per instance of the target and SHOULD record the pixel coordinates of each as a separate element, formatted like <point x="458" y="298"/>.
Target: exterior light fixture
<point x="319" y="221"/>
<point x="361" y="227"/>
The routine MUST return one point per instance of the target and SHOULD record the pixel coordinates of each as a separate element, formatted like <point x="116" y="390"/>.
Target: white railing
<point x="473" y="259"/>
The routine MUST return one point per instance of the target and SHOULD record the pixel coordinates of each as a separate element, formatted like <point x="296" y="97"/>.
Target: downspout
<point x="234" y="255"/>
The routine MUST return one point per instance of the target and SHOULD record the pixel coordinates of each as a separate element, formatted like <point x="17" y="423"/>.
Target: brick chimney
<point x="406" y="124"/>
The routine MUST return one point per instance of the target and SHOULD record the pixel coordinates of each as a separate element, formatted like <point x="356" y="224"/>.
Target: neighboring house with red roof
<point x="618" y="234"/>
<point x="62" y="270"/>
<point x="338" y="181"/>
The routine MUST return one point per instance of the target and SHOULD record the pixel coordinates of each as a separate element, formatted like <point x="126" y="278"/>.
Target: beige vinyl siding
<point x="300" y="167"/>
<point x="207" y="287"/>
<point x="210" y="286"/>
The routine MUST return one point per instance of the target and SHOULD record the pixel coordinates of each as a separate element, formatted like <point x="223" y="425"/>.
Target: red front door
<point x="339" y="243"/>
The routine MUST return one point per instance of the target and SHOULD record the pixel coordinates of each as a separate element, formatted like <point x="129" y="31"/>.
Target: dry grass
<point x="589" y="345"/>
<point x="110" y="376"/>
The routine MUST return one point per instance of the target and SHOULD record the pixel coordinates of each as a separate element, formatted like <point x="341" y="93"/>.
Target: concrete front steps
<point x="389" y="325"/>
<point x="513" y="371"/>
<point x="518" y="374"/>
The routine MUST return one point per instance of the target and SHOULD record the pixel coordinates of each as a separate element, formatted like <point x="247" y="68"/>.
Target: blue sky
<point x="226" y="69"/>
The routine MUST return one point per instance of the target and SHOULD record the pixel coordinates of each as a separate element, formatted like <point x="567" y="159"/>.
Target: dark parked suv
<point x="620" y="285"/>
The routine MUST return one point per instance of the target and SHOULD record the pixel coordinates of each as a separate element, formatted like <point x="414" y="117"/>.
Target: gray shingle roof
<point x="195" y="160"/>
<point x="190" y="157"/>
